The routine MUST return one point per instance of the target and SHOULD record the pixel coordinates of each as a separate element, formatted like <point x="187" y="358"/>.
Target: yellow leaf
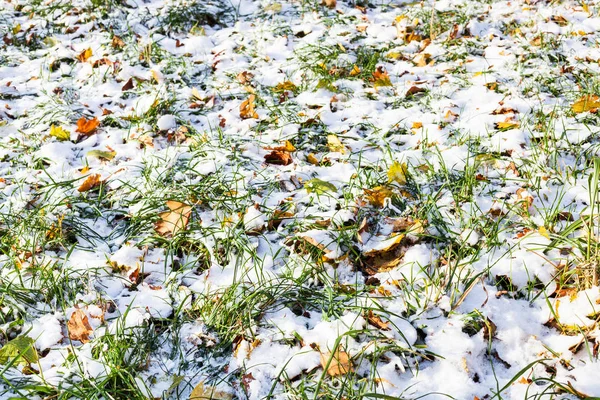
<point x="79" y="327"/>
<point x="397" y="172"/>
<point x="508" y="124"/>
<point x="284" y="86"/>
<point x="107" y="155"/>
<point x="174" y="220"/>
<point x="311" y="158"/>
<point x="394" y="55"/>
<point x="85" y="55"/>
<point x="196" y="94"/>
<point x="335" y="145"/>
<point x="16" y="29"/>
<point x="355" y="70"/>
<point x="157" y="75"/>
<point x="205" y="392"/>
<point x="247" y="108"/>
<point x="337" y="363"/>
<point x="586" y="103"/>
<point x="544" y="232"/>
<point x="422" y="59"/>
<point x="58" y="132"/>
<point x="90" y="182"/>
<point x="417" y="125"/>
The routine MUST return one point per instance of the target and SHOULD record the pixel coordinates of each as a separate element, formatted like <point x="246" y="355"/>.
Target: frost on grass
<point x="299" y="199"/>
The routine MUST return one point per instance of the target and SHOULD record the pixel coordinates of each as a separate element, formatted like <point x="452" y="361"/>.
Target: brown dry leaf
<point x="247" y="108"/>
<point x="175" y="220"/>
<point x="85" y="55"/>
<point x="89" y="183"/>
<point x="278" y="158"/>
<point x="377" y="322"/>
<point x="117" y="42"/>
<point x="586" y="103"/>
<point x="414" y="90"/>
<point x="245" y="77"/>
<point x="205" y="392"/>
<point x="381" y="78"/>
<point x="337" y="363"/>
<point x="377" y="195"/>
<point x="87" y="126"/>
<point x="329" y="3"/>
<point x="128" y="85"/>
<point x="79" y="327"/>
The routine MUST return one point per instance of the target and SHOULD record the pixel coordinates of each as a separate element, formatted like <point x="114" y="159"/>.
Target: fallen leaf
<point x="175" y="220"/>
<point x="335" y="145"/>
<point x="422" y="59"/>
<point x="278" y="158"/>
<point x="79" y="327"/>
<point x="20" y="349"/>
<point x="245" y="77"/>
<point x="287" y="146"/>
<point x="87" y="126"/>
<point x="397" y="172"/>
<point x="128" y="85"/>
<point x="337" y="363"/>
<point x="586" y="103"/>
<point x="89" y="183"/>
<point x="329" y="3"/>
<point x="247" y="108"/>
<point x="285" y="86"/>
<point x="60" y="133"/>
<point x="417" y="125"/>
<point x="107" y="155"/>
<point x="381" y="78"/>
<point x="85" y="55"/>
<point x="377" y="195"/>
<point x="377" y="322"/>
<point x="319" y="186"/>
<point x="507" y="124"/>
<point x="117" y="42"/>
<point x="205" y="392"/>
<point x="355" y="70"/>
<point x="414" y="90"/>
<point x="311" y="158"/>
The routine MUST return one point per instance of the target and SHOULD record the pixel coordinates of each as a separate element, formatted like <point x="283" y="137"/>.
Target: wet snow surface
<point x="362" y="199"/>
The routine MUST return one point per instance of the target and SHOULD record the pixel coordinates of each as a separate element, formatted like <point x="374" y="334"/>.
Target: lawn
<point x="299" y="199"/>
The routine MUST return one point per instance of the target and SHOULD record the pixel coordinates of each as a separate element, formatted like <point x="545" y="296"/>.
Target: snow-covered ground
<point x="296" y="199"/>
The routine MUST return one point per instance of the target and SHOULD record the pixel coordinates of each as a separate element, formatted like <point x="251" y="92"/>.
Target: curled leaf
<point x="279" y="158"/>
<point x="85" y="55"/>
<point x="247" y="108"/>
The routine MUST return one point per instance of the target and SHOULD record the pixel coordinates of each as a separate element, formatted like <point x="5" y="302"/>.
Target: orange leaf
<point x="174" y="220"/>
<point x="79" y="327"/>
<point x="247" y="108"/>
<point x="586" y="103"/>
<point x="87" y="126"/>
<point x="329" y="3"/>
<point x="89" y="183"/>
<point x="337" y="363"/>
<point x="279" y="158"/>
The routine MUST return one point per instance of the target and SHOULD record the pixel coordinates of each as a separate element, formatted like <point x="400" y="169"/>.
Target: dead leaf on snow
<point x="586" y="103"/>
<point x="79" y="327"/>
<point x="89" y="183"/>
<point x="376" y="321"/>
<point x="286" y="146"/>
<point x="175" y="220"/>
<point x="377" y="195"/>
<point x="87" y="126"/>
<point x="337" y="363"/>
<point x="245" y="77"/>
<point x="247" y="108"/>
<point x="85" y="55"/>
<point x="205" y="392"/>
<point x="329" y="3"/>
<point x="278" y="158"/>
<point x="381" y="78"/>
